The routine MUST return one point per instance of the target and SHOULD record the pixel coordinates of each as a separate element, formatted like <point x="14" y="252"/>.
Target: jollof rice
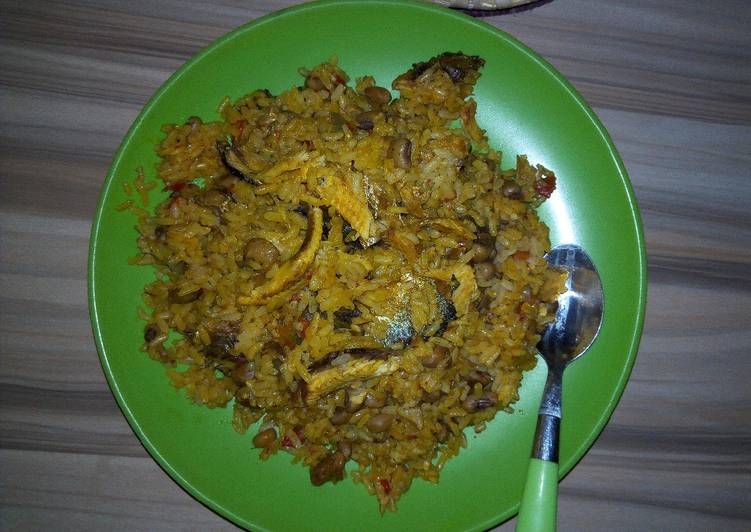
<point x="351" y="270"/>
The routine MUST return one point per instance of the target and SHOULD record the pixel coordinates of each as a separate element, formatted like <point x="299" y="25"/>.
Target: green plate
<point x="526" y="107"/>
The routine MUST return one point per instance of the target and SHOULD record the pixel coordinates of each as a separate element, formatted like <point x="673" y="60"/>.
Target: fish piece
<point x="336" y="377"/>
<point x="412" y="306"/>
<point x="444" y="313"/>
<point x="399" y="241"/>
<point x="445" y="80"/>
<point x="291" y="270"/>
<point x="460" y="68"/>
<point x="430" y="312"/>
<point x="236" y="162"/>
<point x="400" y="330"/>
<point x="361" y="353"/>
<point x="466" y="290"/>
<point x="469" y="121"/>
<point x="296" y="162"/>
<point x="352" y="206"/>
<point x="450" y="226"/>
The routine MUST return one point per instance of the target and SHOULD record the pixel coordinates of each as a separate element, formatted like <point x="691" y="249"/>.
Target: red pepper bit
<point x="545" y="185"/>
<point x="287" y="441"/>
<point x="386" y="485"/>
<point x="240" y="127"/>
<point x="176" y="187"/>
<point x="521" y="255"/>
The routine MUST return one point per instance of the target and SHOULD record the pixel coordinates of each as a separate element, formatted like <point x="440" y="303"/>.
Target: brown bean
<point x="160" y="233"/>
<point x="436" y="356"/>
<point x="150" y="332"/>
<point x="377" y="96"/>
<point x="221" y="344"/>
<point x="380" y="422"/>
<point x="182" y="299"/>
<point x="476" y="376"/>
<point x="483" y="246"/>
<point x="475" y="403"/>
<point x="482" y="253"/>
<point x="401" y="152"/>
<point x="345" y="447"/>
<point x="262" y="251"/>
<point x="366" y="120"/>
<point x="264" y="439"/>
<point x="511" y="190"/>
<point x="340" y="416"/>
<point x="484" y="271"/>
<point x="330" y="468"/>
<point x="454" y="72"/>
<point x="314" y="82"/>
<point x="373" y="400"/>
<point x="243" y="371"/>
<point x="243" y="396"/>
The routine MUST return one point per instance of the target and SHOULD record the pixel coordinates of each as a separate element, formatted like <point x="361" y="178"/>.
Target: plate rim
<point x="578" y="453"/>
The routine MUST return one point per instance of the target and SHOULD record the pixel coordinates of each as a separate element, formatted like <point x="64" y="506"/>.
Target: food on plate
<point x="350" y="269"/>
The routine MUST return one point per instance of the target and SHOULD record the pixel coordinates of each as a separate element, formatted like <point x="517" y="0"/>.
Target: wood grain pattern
<point x="670" y="79"/>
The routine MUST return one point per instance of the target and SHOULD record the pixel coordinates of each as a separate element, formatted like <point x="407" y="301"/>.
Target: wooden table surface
<point x="670" y="79"/>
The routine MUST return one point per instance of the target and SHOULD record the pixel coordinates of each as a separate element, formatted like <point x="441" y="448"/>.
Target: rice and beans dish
<point x="353" y="272"/>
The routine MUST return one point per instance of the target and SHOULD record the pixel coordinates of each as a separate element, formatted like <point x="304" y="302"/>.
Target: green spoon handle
<point x="539" y="502"/>
<point x="540" y="499"/>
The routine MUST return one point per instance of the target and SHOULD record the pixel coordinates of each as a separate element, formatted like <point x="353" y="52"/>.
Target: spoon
<point x="576" y="325"/>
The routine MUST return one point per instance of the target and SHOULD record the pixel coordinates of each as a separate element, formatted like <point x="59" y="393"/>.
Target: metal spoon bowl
<point x="576" y="325"/>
